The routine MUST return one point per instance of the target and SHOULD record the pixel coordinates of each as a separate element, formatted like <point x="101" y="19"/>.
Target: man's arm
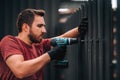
<point x="23" y="68"/>
<point x="81" y="29"/>
<point x="71" y="33"/>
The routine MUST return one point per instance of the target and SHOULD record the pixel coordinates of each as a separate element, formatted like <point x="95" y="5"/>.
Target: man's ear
<point x="25" y="27"/>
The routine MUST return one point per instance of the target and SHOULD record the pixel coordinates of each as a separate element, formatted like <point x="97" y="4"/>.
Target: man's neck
<point x="24" y="38"/>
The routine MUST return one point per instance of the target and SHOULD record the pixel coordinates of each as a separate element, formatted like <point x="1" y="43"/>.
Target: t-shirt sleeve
<point x="46" y="44"/>
<point x="9" y="46"/>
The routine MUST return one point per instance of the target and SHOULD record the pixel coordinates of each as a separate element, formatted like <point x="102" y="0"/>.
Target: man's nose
<point x="44" y="30"/>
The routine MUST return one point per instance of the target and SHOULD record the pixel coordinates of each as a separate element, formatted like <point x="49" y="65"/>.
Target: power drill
<point x="62" y="42"/>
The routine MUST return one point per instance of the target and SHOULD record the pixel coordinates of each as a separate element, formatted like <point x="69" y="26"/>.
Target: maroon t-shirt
<point x="11" y="45"/>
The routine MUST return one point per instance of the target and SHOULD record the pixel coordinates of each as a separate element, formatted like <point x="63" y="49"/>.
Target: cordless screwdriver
<point x="62" y="42"/>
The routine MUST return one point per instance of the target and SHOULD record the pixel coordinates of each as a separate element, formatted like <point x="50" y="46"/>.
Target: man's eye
<point x="40" y="25"/>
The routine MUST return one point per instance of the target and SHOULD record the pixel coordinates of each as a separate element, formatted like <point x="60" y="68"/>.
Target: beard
<point x="33" y="39"/>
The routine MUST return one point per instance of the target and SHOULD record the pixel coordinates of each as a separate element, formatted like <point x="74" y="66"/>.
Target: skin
<point x="17" y="64"/>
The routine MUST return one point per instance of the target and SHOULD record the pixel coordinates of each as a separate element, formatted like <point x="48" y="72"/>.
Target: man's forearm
<point x="71" y="33"/>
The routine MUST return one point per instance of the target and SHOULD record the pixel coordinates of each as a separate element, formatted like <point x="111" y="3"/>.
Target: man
<point x="23" y="57"/>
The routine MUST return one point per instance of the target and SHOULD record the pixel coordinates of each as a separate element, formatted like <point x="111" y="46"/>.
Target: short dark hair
<point x="27" y="16"/>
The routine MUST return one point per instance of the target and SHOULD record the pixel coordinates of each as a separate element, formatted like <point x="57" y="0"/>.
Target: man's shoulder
<point x="7" y="37"/>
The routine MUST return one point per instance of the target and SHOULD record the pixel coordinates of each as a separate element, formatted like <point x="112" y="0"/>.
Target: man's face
<point x="37" y="30"/>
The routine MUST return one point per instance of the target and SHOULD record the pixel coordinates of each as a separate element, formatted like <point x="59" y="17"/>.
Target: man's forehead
<point x="39" y="20"/>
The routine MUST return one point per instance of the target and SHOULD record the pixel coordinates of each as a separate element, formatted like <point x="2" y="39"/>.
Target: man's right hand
<point x="57" y="52"/>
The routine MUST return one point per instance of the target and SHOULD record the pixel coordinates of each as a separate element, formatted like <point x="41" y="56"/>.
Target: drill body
<point x="62" y="42"/>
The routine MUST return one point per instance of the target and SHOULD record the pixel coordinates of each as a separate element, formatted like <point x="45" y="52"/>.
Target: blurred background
<point x="96" y="56"/>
